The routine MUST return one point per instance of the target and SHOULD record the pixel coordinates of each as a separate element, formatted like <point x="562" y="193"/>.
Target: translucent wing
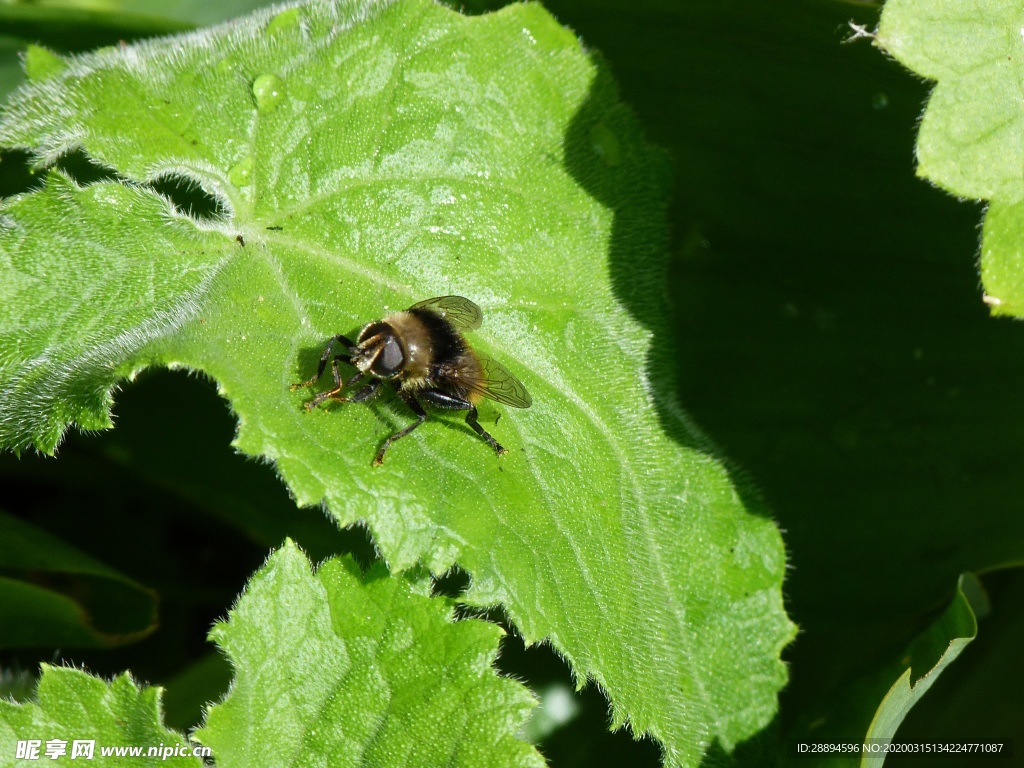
<point x="497" y="383"/>
<point x="460" y="312"/>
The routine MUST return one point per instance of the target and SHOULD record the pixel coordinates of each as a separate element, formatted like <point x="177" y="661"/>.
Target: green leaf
<point x="370" y="669"/>
<point x="71" y="25"/>
<point x="370" y="673"/>
<point x="72" y="706"/>
<point x="41" y="63"/>
<point x="52" y="595"/>
<point x="132" y="18"/>
<point x="971" y="140"/>
<point x="870" y="708"/>
<point x="930" y="653"/>
<point x="979" y="697"/>
<point x="365" y="158"/>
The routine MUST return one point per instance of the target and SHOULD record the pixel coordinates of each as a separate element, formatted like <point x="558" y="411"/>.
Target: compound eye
<point x="390" y="359"/>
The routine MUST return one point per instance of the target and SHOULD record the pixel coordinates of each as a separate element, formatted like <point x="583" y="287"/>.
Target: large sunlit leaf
<point x="367" y="156"/>
<point x="972" y="135"/>
<point x="372" y="674"/>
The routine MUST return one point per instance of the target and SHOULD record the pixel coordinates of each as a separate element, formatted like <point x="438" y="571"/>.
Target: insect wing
<point x="457" y="310"/>
<point x="497" y="383"/>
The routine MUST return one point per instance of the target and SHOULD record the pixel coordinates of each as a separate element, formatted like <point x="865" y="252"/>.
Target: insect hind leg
<point x="421" y="415"/>
<point x="454" y="403"/>
<point x="471" y="420"/>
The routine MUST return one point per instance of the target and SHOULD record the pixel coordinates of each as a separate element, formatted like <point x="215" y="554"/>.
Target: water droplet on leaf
<point x="241" y="174"/>
<point x="545" y="33"/>
<point x="269" y="92"/>
<point x="284" y="21"/>
<point x="226" y="66"/>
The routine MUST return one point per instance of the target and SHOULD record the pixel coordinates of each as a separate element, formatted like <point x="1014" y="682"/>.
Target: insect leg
<point x="338" y="383"/>
<point x="332" y="394"/>
<point x="363" y="394"/>
<point x="471" y="420"/>
<point x="339" y="339"/>
<point x="421" y="415"/>
<point x="455" y="403"/>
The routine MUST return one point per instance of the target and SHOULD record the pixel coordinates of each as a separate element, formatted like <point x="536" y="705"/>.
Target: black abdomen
<point x="446" y="344"/>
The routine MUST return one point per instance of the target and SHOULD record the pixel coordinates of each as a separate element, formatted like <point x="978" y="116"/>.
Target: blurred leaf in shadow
<point x="927" y="657"/>
<point x="75" y="27"/>
<point x="871" y="707"/>
<point x="180" y="449"/>
<point x="16" y="684"/>
<point x="187" y="694"/>
<point x="53" y="595"/>
<point x="70" y="27"/>
<point x="166" y="500"/>
<point x="978" y="698"/>
<point x="10" y="64"/>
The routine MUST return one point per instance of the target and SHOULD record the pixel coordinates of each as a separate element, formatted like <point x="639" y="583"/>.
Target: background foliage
<point x="832" y="341"/>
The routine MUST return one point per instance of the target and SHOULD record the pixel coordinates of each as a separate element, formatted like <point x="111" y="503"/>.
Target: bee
<point x="422" y="353"/>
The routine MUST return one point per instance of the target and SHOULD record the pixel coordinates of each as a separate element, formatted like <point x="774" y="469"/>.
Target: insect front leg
<point x="339" y="339"/>
<point x="332" y="394"/>
<point x="421" y="415"/>
<point x="454" y="403"/>
<point x="363" y="394"/>
<point x="338" y="385"/>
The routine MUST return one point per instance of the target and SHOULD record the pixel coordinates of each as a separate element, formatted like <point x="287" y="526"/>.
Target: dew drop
<point x="269" y="92"/>
<point x="227" y="66"/>
<point x="284" y="21"/>
<point x="606" y="144"/>
<point x="879" y="101"/>
<point x="546" y="34"/>
<point x="241" y="174"/>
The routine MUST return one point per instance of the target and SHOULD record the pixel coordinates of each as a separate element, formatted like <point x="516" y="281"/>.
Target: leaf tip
<point x="41" y="63"/>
